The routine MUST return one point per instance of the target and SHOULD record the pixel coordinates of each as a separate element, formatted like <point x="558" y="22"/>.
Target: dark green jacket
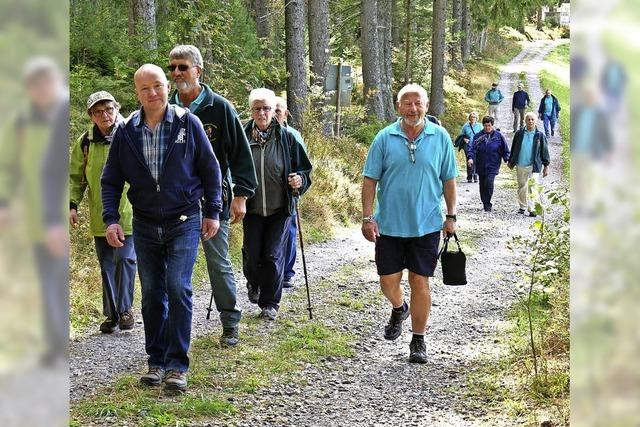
<point x="225" y="132"/>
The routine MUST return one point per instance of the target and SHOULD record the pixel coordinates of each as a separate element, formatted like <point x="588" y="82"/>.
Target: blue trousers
<point x="486" y="189"/>
<point x="223" y="282"/>
<point x="118" y="270"/>
<point x="166" y="254"/>
<point x="290" y="249"/>
<point x="263" y="255"/>
<point x="549" y="122"/>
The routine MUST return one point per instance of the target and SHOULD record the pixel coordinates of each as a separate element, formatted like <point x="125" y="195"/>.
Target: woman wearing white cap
<point x="117" y="265"/>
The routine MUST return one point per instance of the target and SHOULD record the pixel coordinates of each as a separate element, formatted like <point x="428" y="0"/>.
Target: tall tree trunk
<point x="318" y="16"/>
<point x="539" y="21"/>
<point x="142" y="22"/>
<point x="407" y="42"/>
<point x="456" y="26"/>
<point x="385" y="57"/>
<point x="297" y="89"/>
<point x="436" y="103"/>
<point x="395" y="23"/>
<point x="465" y="42"/>
<point x="369" y="48"/>
<point x="263" y="25"/>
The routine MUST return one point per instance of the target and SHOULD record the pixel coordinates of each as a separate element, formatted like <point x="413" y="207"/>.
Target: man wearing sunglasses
<point x="412" y="164"/>
<point x="226" y="134"/>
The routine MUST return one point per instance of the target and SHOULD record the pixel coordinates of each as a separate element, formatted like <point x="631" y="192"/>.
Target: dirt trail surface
<point x="378" y="386"/>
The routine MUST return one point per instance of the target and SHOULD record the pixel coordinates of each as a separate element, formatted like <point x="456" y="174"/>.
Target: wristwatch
<point x="452" y="217"/>
<point x="368" y="219"/>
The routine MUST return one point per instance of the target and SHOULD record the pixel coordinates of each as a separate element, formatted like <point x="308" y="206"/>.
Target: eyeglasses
<point x="412" y="152"/>
<point x="98" y="113"/>
<point x="181" y="67"/>
<point x="266" y="109"/>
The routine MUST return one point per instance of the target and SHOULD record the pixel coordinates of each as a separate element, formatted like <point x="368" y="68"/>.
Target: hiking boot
<point x="108" y="326"/>
<point x="175" y="381"/>
<point x="287" y="284"/>
<point x="153" y="377"/>
<point x="269" y="313"/>
<point x="253" y="292"/>
<point x="418" y="351"/>
<point x="230" y="336"/>
<point x="126" y="321"/>
<point x="393" y="329"/>
<point x="521" y="211"/>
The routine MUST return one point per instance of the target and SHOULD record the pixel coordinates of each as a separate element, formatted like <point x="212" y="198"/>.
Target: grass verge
<point x="221" y="380"/>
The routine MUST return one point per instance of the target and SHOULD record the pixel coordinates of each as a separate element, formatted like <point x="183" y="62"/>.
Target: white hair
<point x="262" y="94"/>
<point x="280" y="100"/>
<point x="413" y="88"/>
<point x="531" y="114"/>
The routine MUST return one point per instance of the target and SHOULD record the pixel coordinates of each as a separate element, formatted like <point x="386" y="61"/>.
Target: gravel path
<point x="377" y="386"/>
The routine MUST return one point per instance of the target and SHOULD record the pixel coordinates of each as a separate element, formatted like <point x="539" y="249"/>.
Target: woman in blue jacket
<point x="487" y="151"/>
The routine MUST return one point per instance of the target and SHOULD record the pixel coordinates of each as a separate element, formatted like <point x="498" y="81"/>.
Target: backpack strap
<point x="84" y="144"/>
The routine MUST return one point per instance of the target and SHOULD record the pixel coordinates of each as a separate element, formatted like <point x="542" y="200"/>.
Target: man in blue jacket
<point x="518" y="106"/>
<point x="162" y="151"/>
<point x="226" y="135"/>
<point x="487" y="151"/>
<point x="529" y="153"/>
<point x="548" y="111"/>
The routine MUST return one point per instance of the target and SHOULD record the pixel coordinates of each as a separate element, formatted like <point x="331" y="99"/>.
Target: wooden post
<point x="338" y="98"/>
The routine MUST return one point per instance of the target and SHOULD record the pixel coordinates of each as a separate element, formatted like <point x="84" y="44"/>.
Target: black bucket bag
<point x="453" y="264"/>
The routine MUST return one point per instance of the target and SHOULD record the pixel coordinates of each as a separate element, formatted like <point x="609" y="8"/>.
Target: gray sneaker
<point x="269" y="313"/>
<point x="230" y="336"/>
<point x="175" y="381"/>
<point x="153" y="377"/>
<point x="417" y="351"/>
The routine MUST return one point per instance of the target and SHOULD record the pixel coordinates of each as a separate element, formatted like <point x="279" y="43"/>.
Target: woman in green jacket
<point x="117" y="265"/>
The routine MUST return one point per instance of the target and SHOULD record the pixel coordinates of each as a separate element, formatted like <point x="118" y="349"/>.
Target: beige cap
<point x="94" y="98"/>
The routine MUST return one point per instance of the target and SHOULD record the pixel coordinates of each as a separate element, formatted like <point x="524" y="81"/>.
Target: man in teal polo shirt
<point x="412" y="164"/>
<point x="530" y="156"/>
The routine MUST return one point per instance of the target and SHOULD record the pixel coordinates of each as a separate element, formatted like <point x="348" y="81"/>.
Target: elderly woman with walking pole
<point x="282" y="169"/>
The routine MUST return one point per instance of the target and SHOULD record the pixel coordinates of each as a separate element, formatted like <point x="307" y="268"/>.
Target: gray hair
<point x="473" y="113"/>
<point x="531" y="114"/>
<point x="413" y="88"/>
<point x="262" y="94"/>
<point x="280" y="100"/>
<point x="188" y="52"/>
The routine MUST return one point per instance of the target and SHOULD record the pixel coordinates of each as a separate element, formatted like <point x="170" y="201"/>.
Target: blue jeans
<point x="290" y="249"/>
<point x="486" y="189"/>
<point x="549" y="122"/>
<point x="223" y="282"/>
<point x="118" y="270"/>
<point x="263" y="255"/>
<point x="166" y="254"/>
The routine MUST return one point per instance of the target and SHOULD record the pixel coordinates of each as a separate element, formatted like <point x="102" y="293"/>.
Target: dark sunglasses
<point x="181" y="67"/>
<point x="412" y="152"/>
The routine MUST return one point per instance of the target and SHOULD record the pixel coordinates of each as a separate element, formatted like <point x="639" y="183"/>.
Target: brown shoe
<point x="175" y="381"/>
<point x="127" y="320"/>
<point x="108" y="326"/>
<point x="153" y="377"/>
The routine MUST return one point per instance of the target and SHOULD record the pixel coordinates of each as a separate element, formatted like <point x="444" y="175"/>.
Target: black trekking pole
<point x="210" y="304"/>
<point x="296" y="194"/>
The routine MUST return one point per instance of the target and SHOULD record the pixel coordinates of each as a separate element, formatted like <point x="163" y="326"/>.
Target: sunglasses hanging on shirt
<point x="412" y="151"/>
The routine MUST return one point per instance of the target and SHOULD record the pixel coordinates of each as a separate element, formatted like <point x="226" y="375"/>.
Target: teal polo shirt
<point x="409" y="195"/>
<point x="548" y="105"/>
<point x="195" y="104"/>
<point x="525" y="157"/>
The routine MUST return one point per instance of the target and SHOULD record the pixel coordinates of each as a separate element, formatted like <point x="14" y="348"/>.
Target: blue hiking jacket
<point x="190" y="172"/>
<point x="487" y="151"/>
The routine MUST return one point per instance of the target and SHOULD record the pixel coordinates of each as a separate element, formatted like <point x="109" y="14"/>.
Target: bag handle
<point x="445" y="246"/>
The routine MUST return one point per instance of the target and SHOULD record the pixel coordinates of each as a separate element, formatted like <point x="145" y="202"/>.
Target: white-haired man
<point x="412" y="164"/>
<point x="529" y="154"/>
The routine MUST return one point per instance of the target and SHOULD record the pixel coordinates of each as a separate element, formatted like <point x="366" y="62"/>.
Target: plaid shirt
<point x="155" y="142"/>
